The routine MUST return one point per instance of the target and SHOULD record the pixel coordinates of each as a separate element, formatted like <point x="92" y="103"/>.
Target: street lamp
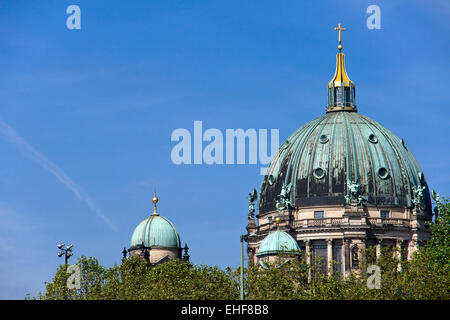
<point x="67" y="251"/>
<point x="244" y="237"/>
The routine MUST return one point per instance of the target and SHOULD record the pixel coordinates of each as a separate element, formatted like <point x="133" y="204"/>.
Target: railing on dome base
<point x="335" y="222"/>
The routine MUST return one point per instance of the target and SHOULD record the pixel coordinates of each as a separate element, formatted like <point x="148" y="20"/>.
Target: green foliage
<point x="92" y="280"/>
<point x="425" y="276"/>
<point x="180" y="280"/>
<point x="439" y="245"/>
<point x="136" y="279"/>
<point x="279" y="279"/>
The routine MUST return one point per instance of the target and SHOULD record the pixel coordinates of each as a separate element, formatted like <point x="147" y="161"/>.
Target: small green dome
<point x="277" y="242"/>
<point x="155" y="231"/>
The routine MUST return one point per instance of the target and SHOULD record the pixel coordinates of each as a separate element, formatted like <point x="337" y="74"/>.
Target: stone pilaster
<point x="346" y="256"/>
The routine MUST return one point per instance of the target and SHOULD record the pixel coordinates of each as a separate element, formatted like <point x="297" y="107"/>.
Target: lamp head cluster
<point x="65" y="250"/>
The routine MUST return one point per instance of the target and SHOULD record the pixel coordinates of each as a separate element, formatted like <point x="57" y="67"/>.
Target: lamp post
<point x="244" y="237"/>
<point x="66" y="252"/>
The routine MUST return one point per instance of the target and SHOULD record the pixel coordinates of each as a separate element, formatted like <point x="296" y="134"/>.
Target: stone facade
<point x="343" y="232"/>
<point x="341" y="183"/>
<point x="156" y="255"/>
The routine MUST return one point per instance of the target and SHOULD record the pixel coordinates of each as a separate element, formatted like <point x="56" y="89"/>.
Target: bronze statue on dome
<point x="284" y="202"/>
<point x="251" y="204"/>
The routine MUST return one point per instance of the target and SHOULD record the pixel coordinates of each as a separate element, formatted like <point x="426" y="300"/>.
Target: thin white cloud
<point x="27" y="150"/>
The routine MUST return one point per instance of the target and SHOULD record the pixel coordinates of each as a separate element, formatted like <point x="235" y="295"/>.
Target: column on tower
<point x="345" y="260"/>
<point x="330" y="255"/>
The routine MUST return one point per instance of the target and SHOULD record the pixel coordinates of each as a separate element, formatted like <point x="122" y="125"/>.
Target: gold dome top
<point x="155" y="201"/>
<point x="340" y="78"/>
<point x="341" y="90"/>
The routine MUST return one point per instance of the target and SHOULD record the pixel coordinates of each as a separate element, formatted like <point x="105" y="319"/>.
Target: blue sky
<point x="86" y="115"/>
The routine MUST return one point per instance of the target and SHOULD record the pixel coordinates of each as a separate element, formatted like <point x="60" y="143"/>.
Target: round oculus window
<point x="373" y="138"/>
<point x="383" y="173"/>
<point x="319" y="173"/>
<point x="323" y="138"/>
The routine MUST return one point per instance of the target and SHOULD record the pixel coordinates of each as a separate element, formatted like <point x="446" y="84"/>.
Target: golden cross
<point x="339" y="29"/>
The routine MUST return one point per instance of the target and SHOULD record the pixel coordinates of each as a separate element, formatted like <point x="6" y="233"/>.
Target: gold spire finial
<point x="155" y="201"/>
<point x="340" y="77"/>
<point x="341" y="90"/>
<point x="339" y="28"/>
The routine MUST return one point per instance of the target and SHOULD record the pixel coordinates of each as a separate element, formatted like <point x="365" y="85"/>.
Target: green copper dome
<point x="155" y="231"/>
<point x="277" y="242"/>
<point x="344" y="158"/>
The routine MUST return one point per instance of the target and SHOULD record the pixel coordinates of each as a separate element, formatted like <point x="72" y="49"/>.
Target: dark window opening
<point x="347" y="96"/>
<point x="318" y="215"/>
<point x="320" y="259"/>
<point x="337" y="260"/>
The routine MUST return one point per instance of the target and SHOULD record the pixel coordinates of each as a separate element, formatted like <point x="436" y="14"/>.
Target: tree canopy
<point x="425" y="276"/>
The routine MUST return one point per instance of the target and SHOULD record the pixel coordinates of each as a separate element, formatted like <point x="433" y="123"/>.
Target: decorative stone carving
<point x="354" y="195"/>
<point x="284" y="202"/>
